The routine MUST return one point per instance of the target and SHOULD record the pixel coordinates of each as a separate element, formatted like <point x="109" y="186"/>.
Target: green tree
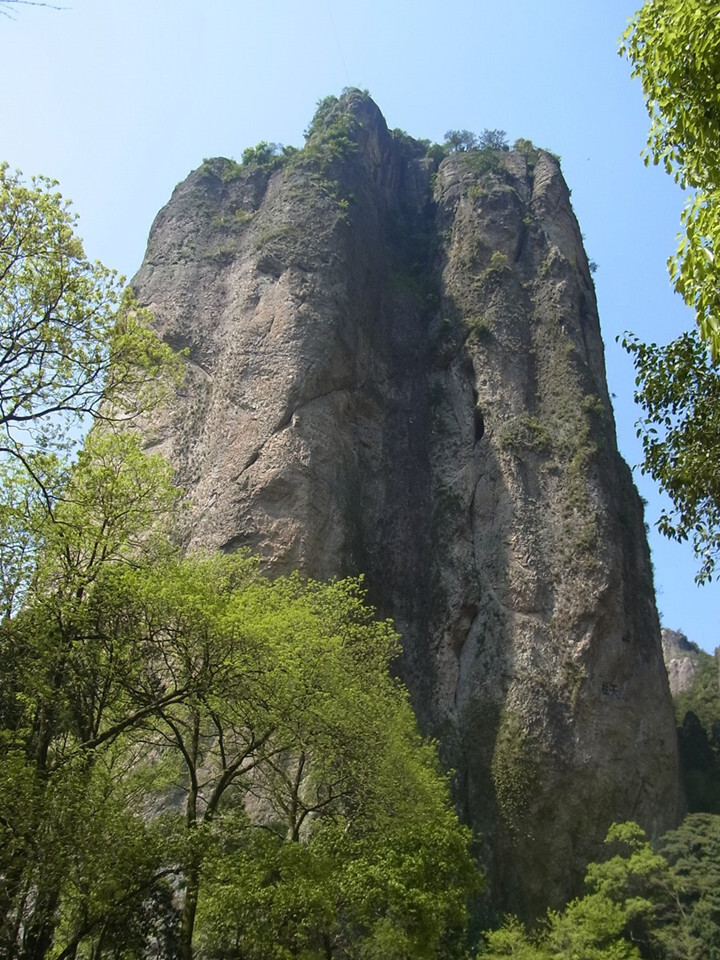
<point x="492" y="140"/>
<point x="210" y="725"/>
<point x="460" y="140"/>
<point x="613" y="921"/>
<point x="61" y="695"/>
<point x="697" y="713"/>
<point x="292" y="730"/>
<point x="267" y="156"/>
<point x="274" y="730"/>
<point x="512" y="940"/>
<point x="67" y="890"/>
<point x="674" y="49"/>
<point x="73" y="350"/>
<point x="663" y="905"/>
<point x="73" y="345"/>
<point x="678" y="387"/>
<point x="693" y="852"/>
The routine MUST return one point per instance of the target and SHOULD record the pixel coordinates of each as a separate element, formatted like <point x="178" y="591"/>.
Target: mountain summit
<point x="395" y="368"/>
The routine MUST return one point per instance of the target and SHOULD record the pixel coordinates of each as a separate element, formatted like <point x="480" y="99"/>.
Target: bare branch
<point x="25" y="3"/>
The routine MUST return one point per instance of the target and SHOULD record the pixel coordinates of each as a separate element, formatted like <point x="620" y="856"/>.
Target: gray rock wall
<point x="399" y="371"/>
<point x="682" y="659"/>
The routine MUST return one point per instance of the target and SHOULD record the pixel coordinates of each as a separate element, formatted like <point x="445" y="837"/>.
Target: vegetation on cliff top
<point x="330" y="136"/>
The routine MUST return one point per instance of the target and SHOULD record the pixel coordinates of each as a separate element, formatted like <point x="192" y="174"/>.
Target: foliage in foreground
<point x="640" y="903"/>
<point x="194" y="760"/>
<point x="674" y="49"/>
<point x="73" y="344"/>
<point x="237" y="743"/>
<point x="677" y="385"/>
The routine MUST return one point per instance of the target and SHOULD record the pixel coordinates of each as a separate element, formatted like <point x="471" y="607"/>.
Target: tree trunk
<point x="40" y="928"/>
<point x="187" y="922"/>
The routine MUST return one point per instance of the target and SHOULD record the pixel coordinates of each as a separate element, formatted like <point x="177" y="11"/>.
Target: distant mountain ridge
<point x="681" y="659"/>
<point x="395" y="368"/>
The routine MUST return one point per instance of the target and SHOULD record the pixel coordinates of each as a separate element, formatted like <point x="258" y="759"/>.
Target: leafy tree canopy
<point x="294" y="803"/>
<point x="640" y="903"/>
<point x="459" y="140"/>
<point x="239" y="744"/>
<point x="493" y="140"/>
<point x="73" y="345"/>
<point x="462" y="140"/>
<point x="693" y="852"/>
<point x="674" y="49"/>
<point x="678" y="386"/>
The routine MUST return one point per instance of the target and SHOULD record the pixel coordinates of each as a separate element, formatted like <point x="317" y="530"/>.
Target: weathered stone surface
<point x="682" y="659"/>
<point x="400" y="372"/>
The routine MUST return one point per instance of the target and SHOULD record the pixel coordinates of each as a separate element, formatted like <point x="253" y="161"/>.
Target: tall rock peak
<point x="395" y="368"/>
<point x="682" y="659"/>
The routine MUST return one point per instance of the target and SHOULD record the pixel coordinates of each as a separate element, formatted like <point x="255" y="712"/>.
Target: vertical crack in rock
<point x="428" y="341"/>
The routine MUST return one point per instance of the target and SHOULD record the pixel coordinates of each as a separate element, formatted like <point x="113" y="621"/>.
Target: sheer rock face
<point x="682" y="659"/>
<point x="399" y="371"/>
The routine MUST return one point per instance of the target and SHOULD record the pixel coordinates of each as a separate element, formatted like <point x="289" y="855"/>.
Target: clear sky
<point x="120" y="99"/>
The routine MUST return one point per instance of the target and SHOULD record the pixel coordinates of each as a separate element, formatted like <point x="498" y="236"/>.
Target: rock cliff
<point x="682" y="659"/>
<point x="396" y="368"/>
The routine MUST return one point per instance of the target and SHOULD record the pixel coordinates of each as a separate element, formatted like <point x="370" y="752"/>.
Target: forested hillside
<point x="697" y="712"/>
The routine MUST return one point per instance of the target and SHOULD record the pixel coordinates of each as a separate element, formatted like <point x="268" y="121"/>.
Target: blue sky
<point x="120" y="99"/>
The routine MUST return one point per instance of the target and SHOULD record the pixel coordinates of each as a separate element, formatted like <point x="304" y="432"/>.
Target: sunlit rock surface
<point x="397" y="370"/>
